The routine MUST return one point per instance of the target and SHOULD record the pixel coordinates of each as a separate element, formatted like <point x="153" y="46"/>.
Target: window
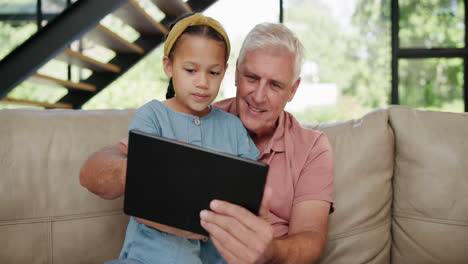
<point x="429" y="54"/>
<point x="434" y="83"/>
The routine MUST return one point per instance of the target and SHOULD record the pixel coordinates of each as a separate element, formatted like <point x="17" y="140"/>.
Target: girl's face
<point x="197" y="69"/>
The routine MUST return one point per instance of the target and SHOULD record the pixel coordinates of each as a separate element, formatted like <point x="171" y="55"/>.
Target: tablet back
<point x="170" y="182"/>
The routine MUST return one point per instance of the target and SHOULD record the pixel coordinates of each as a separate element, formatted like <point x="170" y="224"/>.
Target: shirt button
<point x="197" y="122"/>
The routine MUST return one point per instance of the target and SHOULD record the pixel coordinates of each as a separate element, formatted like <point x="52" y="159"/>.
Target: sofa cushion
<point x="430" y="223"/>
<point x="45" y="211"/>
<point x="359" y="229"/>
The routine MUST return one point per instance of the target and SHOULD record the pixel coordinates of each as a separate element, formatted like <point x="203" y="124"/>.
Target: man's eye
<point x="251" y="78"/>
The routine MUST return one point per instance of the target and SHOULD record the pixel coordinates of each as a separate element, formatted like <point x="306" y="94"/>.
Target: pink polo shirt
<point x="301" y="167"/>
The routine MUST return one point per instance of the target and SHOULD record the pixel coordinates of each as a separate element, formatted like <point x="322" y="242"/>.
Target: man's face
<point x="265" y="83"/>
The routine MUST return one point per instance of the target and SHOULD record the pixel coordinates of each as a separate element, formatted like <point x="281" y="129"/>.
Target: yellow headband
<point x="194" y="20"/>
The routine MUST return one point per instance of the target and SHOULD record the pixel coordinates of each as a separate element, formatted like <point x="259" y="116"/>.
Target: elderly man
<point x="292" y="224"/>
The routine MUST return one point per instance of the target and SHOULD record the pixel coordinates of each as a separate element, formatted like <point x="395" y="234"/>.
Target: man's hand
<point x="239" y="235"/>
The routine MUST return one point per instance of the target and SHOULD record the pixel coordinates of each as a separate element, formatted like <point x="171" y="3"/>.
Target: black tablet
<point x="170" y="182"/>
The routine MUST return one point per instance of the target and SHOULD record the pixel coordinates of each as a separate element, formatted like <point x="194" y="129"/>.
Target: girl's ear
<point x="167" y="65"/>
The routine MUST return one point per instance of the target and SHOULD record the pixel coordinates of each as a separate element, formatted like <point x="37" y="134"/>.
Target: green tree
<point x="431" y="83"/>
<point x="370" y="52"/>
<point x="423" y="83"/>
<point x="325" y="40"/>
<point x="355" y="59"/>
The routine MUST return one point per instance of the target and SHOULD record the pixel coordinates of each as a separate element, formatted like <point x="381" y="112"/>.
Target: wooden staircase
<point x="82" y="20"/>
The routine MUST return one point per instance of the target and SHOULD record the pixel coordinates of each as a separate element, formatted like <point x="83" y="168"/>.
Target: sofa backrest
<point x="430" y="209"/>
<point x="359" y="229"/>
<point x="417" y="159"/>
<point x="45" y="214"/>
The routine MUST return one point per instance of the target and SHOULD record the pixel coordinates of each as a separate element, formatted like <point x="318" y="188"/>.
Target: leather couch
<point x="401" y="187"/>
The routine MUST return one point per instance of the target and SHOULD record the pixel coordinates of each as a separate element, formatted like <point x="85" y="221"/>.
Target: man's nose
<point x="259" y="93"/>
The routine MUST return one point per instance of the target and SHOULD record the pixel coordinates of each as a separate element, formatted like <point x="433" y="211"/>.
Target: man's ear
<point x="294" y="89"/>
<point x="225" y="68"/>
<point x="236" y="79"/>
<point x="167" y="66"/>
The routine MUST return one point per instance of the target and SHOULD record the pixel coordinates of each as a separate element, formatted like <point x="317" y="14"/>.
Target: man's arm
<point x="307" y="235"/>
<point x="242" y="237"/>
<point x="104" y="172"/>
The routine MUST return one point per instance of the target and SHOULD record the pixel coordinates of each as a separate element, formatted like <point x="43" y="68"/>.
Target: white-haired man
<point x="292" y="227"/>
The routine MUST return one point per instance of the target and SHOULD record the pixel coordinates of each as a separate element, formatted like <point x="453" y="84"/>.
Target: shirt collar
<point x="276" y="142"/>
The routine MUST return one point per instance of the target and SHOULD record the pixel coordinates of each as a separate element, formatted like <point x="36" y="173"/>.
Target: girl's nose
<point x="202" y="81"/>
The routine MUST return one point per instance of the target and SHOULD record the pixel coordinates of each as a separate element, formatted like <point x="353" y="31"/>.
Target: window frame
<point x="422" y="53"/>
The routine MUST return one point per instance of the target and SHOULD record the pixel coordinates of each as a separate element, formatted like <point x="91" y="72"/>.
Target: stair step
<point x="34" y="103"/>
<point x="48" y="80"/>
<point x="174" y="8"/>
<point x="105" y="37"/>
<point x="75" y="58"/>
<point x="135" y="16"/>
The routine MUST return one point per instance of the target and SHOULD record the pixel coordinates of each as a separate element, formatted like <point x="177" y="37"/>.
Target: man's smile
<point x="251" y="107"/>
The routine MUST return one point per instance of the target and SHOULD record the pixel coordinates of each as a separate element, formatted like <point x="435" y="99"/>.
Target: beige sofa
<point x="401" y="187"/>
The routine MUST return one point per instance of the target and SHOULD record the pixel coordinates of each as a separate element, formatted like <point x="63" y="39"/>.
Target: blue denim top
<point x="218" y="131"/>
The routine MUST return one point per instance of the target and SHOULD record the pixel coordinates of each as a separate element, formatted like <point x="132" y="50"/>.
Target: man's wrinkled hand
<point x="239" y="235"/>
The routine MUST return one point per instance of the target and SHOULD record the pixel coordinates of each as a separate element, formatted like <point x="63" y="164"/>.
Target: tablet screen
<point x="170" y="182"/>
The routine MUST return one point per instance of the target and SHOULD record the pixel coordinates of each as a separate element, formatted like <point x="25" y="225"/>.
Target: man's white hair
<point x="274" y="37"/>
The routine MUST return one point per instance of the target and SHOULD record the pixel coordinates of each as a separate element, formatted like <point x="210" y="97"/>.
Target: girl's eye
<point x="190" y="70"/>
<point x="214" y="73"/>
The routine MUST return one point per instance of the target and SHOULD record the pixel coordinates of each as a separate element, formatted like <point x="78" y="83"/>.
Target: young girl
<point x="195" y="59"/>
